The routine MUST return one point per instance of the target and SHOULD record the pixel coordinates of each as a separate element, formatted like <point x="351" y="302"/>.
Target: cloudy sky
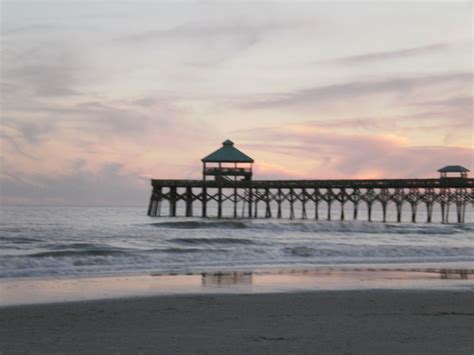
<point x="100" y="96"/>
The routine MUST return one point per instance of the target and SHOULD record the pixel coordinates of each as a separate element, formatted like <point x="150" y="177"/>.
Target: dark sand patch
<point x="364" y="321"/>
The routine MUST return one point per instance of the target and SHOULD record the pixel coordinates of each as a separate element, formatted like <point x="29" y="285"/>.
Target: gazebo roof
<point x="453" y="169"/>
<point x="227" y="154"/>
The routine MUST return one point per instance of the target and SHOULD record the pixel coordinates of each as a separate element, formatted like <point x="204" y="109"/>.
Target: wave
<point x="19" y="240"/>
<point x="77" y="253"/>
<point x="361" y="227"/>
<point x="379" y="251"/>
<point x="208" y="241"/>
<point x="79" y="246"/>
<point x="321" y="226"/>
<point x="201" y="224"/>
<point x="183" y="250"/>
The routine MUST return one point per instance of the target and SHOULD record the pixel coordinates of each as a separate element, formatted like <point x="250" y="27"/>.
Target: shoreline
<point x="25" y="291"/>
<point x="325" y="321"/>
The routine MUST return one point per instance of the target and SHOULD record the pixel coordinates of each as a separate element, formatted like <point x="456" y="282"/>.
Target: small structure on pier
<point x="453" y="169"/>
<point x="227" y="164"/>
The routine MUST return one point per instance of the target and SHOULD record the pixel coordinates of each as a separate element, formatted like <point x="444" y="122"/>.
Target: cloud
<point x="207" y="43"/>
<point x="111" y="185"/>
<point x="209" y="30"/>
<point x="47" y="70"/>
<point x="31" y="29"/>
<point x="329" y="154"/>
<point x="388" y="55"/>
<point x="43" y="141"/>
<point x="462" y="103"/>
<point x="356" y="89"/>
<point x="199" y="44"/>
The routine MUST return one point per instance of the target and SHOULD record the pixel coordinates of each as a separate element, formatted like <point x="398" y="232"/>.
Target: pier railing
<point x="227" y="171"/>
<point x="245" y="196"/>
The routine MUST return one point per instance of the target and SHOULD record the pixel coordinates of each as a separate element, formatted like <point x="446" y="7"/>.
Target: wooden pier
<point x="246" y="198"/>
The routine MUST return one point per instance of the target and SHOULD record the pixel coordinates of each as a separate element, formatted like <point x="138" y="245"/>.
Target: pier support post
<point x="279" y="201"/>
<point x="219" y="202"/>
<point x="461" y="197"/>
<point x="316" y="196"/>
<point x="235" y="202"/>
<point x="173" y="200"/>
<point x="459" y="206"/>
<point x="413" y="198"/>
<point x="384" y="197"/>
<point x="155" y="202"/>
<point x="189" y="202"/>
<point x="292" y="200"/>
<point x="268" y="211"/>
<point x="384" y="211"/>
<point x="429" y="198"/>
<point x="398" y="197"/>
<point x="257" y="197"/>
<point x="369" y="197"/>
<point x="342" y="199"/>
<point x="204" y="202"/>
<point x="413" y="211"/>
<point x="250" y="196"/>
<point x="303" y="203"/>
<point x="152" y="201"/>
<point x="355" y="197"/>
<point x="429" y="211"/>
<point x="444" y="198"/>
<point x="443" y="212"/>
<point x="399" y="211"/>
<point x="329" y="199"/>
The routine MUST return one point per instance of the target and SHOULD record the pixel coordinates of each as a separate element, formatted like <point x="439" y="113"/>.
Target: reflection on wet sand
<point x="226" y="278"/>
<point x="30" y="290"/>
<point x="453" y="274"/>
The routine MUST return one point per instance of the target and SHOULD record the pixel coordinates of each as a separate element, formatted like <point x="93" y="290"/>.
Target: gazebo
<point x="227" y="164"/>
<point x="453" y="169"/>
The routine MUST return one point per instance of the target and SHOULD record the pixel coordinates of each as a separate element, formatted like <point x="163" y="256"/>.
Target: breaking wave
<point x="198" y="241"/>
<point x="77" y="253"/>
<point x="388" y="252"/>
<point x="201" y="224"/>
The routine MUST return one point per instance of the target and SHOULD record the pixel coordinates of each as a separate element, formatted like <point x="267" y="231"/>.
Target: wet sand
<point x="361" y="321"/>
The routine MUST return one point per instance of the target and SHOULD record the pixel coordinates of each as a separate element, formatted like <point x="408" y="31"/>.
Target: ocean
<point x="92" y="241"/>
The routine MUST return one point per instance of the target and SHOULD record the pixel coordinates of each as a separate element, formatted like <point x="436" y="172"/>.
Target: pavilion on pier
<point x="456" y="169"/>
<point x="227" y="164"/>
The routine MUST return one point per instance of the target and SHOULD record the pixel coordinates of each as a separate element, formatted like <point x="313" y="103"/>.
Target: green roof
<point x="227" y="154"/>
<point x="453" y="169"/>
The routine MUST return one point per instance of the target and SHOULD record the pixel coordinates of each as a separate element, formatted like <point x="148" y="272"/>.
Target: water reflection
<point x="462" y="274"/>
<point x="35" y="290"/>
<point x="226" y="278"/>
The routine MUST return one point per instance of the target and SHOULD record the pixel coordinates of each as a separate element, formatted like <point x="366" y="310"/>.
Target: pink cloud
<point x="329" y="154"/>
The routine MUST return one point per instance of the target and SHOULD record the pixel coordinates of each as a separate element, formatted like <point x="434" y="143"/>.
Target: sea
<point x="45" y="241"/>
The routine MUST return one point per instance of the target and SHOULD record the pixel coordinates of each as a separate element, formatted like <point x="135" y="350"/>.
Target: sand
<point x="364" y="321"/>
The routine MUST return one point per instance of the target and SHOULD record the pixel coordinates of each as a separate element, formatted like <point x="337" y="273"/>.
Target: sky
<point x="97" y="97"/>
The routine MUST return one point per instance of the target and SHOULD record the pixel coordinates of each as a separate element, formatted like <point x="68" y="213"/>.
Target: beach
<point x="111" y="280"/>
<point x="356" y="321"/>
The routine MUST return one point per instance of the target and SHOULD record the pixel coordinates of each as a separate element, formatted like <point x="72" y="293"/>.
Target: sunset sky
<point x="100" y="96"/>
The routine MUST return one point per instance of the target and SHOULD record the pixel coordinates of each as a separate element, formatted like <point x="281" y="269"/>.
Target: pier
<point x="233" y="187"/>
